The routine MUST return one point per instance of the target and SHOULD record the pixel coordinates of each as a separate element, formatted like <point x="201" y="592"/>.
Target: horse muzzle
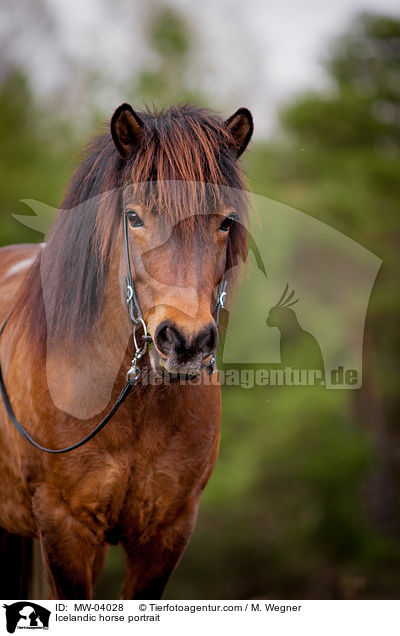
<point x="177" y="352"/>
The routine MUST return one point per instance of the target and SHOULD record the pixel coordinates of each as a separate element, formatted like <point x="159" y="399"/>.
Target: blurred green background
<point x="304" y="501"/>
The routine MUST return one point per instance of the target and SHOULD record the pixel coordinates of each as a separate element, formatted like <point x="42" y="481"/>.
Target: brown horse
<point x="66" y="347"/>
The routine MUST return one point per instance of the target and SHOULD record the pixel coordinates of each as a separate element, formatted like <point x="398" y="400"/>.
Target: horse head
<point x="184" y="202"/>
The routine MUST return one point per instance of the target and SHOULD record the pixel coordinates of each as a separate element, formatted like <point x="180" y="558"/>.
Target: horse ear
<point x="241" y="127"/>
<point x="126" y="130"/>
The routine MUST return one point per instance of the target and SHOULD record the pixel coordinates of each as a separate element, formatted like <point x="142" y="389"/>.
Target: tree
<point x="166" y="81"/>
<point x="341" y="162"/>
<point x="36" y="155"/>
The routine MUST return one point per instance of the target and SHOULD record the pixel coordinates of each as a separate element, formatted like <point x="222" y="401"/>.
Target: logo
<point x="26" y="615"/>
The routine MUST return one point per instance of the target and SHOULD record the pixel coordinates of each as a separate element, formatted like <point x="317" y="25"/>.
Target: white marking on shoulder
<point x="19" y="267"/>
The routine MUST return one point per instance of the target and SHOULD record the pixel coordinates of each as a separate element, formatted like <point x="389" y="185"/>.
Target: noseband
<point x="133" y="373"/>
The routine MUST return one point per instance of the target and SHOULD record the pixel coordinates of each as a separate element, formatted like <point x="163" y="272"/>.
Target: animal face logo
<point x="26" y="615"/>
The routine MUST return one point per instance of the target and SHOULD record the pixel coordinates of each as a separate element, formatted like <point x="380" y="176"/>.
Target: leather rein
<point x="133" y="373"/>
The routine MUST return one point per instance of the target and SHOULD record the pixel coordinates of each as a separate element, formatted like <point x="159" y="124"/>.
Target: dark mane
<point x="182" y="144"/>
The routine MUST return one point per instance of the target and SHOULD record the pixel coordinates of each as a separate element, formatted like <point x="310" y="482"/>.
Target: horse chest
<point x="173" y="472"/>
<point x="138" y="488"/>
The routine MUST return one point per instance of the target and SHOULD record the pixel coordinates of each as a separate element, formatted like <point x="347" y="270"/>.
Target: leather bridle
<point x="133" y="373"/>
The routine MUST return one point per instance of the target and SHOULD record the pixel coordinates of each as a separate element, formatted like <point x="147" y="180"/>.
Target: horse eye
<point x="134" y="219"/>
<point x="228" y="222"/>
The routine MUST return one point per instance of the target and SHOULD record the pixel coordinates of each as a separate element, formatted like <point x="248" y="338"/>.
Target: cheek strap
<point x="220" y="302"/>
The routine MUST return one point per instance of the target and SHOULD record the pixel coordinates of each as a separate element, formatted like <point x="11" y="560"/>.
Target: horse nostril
<point x="167" y="338"/>
<point x="206" y="341"/>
